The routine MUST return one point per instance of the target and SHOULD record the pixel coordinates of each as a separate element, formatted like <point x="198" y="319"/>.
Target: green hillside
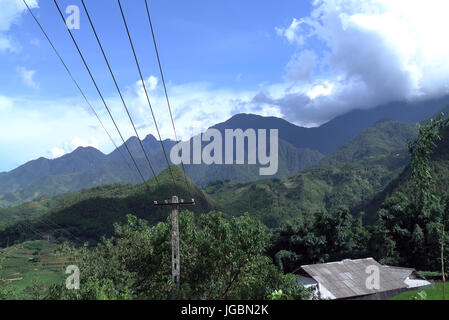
<point x="408" y="217"/>
<point x="291" y="160"/>
<point x="385" y="140"/>
<point x="300" y="148"/>
<point x="89" y="214"/>
<point x="351" y="177"/>
<point x="29" y="265"/>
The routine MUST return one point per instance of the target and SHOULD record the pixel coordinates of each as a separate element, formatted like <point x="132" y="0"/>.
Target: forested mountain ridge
<point x="350" y="177"/>
<point x="402" y="184"/>
<point x="45" y="176"/>
<point x="88" y="215"/>
<point x="300" y="148"/>
<point x="351" y="183"/>
<point x="332" y="135"/>
<point x="385" y="139"/>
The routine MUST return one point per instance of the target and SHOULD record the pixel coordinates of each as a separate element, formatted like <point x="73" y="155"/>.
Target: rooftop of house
<point x="351" y="278"/>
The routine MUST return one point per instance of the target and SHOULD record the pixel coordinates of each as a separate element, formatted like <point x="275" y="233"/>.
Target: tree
<point x="424" y="176"/>
<point x="221" y="258"/>
<point x="410" y="223"/>
<point x="321" y="238"/>
<point x="421" y="151"/>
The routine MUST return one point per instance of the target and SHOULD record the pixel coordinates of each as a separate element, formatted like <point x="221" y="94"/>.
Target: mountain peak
<point x="150" y="138"/>
<point x="82" y="149"/>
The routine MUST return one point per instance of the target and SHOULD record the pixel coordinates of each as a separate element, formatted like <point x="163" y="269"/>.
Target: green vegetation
<point x="435" y="292"/>
<point x="28" y="265"/>
<point x="291" y="160"/>
<point x="384" y="143"/>
<point x="409" y="223"/>
<point x="351" y="177"/>
<point x="90" y="214"/>
<point x="222" y="259"/>
<point x="319" y="238"/>
<point x="363" y="200"/>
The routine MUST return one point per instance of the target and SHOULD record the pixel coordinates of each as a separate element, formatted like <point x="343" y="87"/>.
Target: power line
<point x="118" y="89"/>
<point x="75" y="82"/>
<point x="34" y="230"/>
<point x="47" y="223"/>
<point x="98" y="90"/>
<point x="146" y="92"/>
<point x="165" y="87"/>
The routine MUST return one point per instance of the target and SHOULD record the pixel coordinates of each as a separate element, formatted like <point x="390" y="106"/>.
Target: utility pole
<point x="442" y="265"/>
<point x="175" y="253"/>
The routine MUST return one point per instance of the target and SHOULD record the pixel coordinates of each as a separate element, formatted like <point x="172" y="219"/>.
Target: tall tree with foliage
<point x="221" y="258"/>
<point x="421" y="150"/>
<point x="321" y="238"/>
<point x="408" y="230"/>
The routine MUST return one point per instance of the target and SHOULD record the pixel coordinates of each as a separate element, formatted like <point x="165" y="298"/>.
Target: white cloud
<point x="322" y="89"/>
<point x="77" y="142"/>
<point x="153" y="81"/>
<point x="293" y="33"/>
<point x="57" y="152"/>
<point x="10" y="12"/>
<point x="37" y="127"/>
<point x="375" y="51"/>
<point x="34" y="127"/>
<point x="5" y="104"/>
<point x="195" y="106"/>
<point x="301" y="66"/>
<point x="27" y="77"/>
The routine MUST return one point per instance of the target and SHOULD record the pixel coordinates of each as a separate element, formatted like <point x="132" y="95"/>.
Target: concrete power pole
<point x="175" y="256"/>
<point x="175" y="252"/>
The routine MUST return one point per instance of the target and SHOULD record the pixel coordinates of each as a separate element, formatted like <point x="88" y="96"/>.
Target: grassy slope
<point x="434" y="292"/>
<point x="49" y="269"/>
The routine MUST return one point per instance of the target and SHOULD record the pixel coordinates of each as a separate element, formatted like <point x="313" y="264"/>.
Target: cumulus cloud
<point x="301" y="67"/>
<point x="52" y="128"/>
<point x="35" y="127"/>
<point x="10" y="12"/>
<point x="372" y="52"/>
<point x="57" y="152"/>
<point x="195" y="107"/>
<point x="27" y="77"/>
<point x="152" y="82"/>
<point x="77" y="142"/>
<point x="295" y="32"/>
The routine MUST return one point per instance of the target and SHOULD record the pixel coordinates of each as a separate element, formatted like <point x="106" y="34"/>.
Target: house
<point x="350" y="279"/>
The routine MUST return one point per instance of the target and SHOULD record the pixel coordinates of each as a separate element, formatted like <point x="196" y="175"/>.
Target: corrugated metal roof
<point x="348" y="278"/>
<point x="401" y="272"/>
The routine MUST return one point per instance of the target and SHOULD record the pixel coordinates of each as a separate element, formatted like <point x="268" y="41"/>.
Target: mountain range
<point x="350" y="177"/>
<point x="299" y="149"/>
<point x="358" y="176"/>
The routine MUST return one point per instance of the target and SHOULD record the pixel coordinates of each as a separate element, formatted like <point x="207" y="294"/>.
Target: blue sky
<point x="227" y="43"/>
<point x="305" y="61"/>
